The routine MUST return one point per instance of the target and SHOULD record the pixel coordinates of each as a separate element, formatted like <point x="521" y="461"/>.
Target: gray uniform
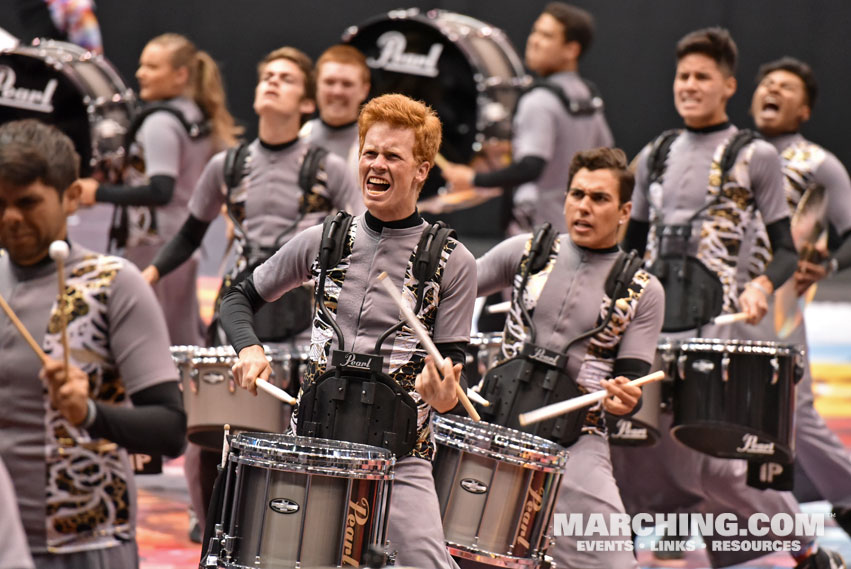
<point x="543" y="128"/>
<point x="339" y="140"/>
<point x="670" y="477"/>
<point x="118" y="336"/>
<point x="169" y="151"/>
<point x="363" y="312"/>
<point x="569" y="304"/>
<point x="820" y="455"/>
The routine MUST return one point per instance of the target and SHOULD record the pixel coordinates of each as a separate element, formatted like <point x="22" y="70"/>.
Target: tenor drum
<point x="736" y="399"/>
<point x="497" y="489"/>
<point x="212" y="398"/>
<point x="298" y="502"/>
<point x="465" y="69"/>
<point x="77" y="91"/>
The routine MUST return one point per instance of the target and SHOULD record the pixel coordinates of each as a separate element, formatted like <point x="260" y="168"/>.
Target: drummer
<point x="546" y="127"/>
<point x="399" y="138"/>
<point x="70" y="430"/>
<point x="566" y="298"/>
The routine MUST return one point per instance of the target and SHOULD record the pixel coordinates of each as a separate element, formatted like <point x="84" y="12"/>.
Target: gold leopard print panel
<point x="514" y="333"/>
<point x="799" y="162"/>
<point x="602" y="350"/>
<point x="87" y="495"/>
<point x="407" y="357"/>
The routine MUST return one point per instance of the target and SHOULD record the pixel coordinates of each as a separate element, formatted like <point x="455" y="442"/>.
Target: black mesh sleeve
<point x="527" y="169"/>
<point x="156" y="424"/>
<point x="636" y="236"/>
<point x="843" y="252"/>
<point x="158" y="192"/>
<point x="631" y="368"/>
<point x="239" y="304"/>
<point x="456" y="352"/>
<point x="784" y="258"/>
<point x="180" y="248"/>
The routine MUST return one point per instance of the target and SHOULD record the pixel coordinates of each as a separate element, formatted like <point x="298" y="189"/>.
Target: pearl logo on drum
<point x="473" y="486"/>
<point x="751" y="445"/>
<point x="355" y="520"/>
<point x="23" y="98"/>
<point x="626" y="430"/>
<point x="394" y="58"/>
<point x="353" y="361"/>
<point x="702" y="366"/>
<point x="284" y="506"/>
<point x="545" y="357"/>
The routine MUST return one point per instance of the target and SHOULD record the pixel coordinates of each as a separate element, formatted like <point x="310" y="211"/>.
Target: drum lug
<point x="193" y="380"/>
<point x="681" y="367"/>
<point x="725" y="368"/>
<point x="775" y="370"/>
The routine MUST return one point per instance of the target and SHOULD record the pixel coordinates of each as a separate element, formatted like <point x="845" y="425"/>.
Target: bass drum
<point x="77" y="91"/>
<point x="465" y="69"/>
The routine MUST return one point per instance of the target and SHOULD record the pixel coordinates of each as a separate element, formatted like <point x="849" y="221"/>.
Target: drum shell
<point x="80" y="93"/>
<point x="289" y="501"/>
<point x="736" y="399"/>
<point x="497" y="489"/>
<point x="483" y="352"/>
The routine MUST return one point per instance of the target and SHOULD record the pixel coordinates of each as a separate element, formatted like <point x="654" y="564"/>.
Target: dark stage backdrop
<point x="631" y="60"/>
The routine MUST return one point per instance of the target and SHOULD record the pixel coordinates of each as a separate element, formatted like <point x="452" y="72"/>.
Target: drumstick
<point x="59" y="252"/>
<point x="499" y="307"/>
<point x="22" y="330"/>
<point x="440" y="161"/>
<point x="562" y="407"/>
<point x="730" y="318"/>
<point x="421" y="333"/>
<point x="275" y="391"/>
<point x="474" y="396"/>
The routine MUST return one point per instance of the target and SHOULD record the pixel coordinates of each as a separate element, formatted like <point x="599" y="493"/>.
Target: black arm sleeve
<point x="636" y="236"/>
<point x="156" y="424"/>
<point x="843" y="252"/>
<point x="631" y="368"/>
<point x="239" y="304"/>
<point x="527" y="169"/>
<point x="158" y="192"/>
<point x="784" y="258"/>
<point x="180" y="248"/>
<point x="456" y="352"/>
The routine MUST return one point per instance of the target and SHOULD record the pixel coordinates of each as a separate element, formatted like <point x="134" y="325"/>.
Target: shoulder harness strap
<point x="741" y="139"/>
<point x="309" y="167"/>
<point x="622" y="273"/>
<point x="657" y="163"/>
<point x="334" y="229"/>
<point x="582" y="107"/>
<point x="539" y="250"/>
<point x="195" y="130"/>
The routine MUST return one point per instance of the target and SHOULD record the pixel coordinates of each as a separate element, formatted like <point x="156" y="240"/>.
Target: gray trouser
<point x="415" y="530"/>
<point x="124" y="556"/>
<point x="588" y="487"/>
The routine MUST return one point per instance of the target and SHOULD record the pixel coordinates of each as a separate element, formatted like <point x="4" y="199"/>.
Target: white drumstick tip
<point x="59" y="250"/>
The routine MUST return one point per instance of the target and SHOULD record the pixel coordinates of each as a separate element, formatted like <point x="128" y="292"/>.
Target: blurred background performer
<point x="783" y="100"/>
<point x="567" y="297"/>
<point x="184" y="125"/>
<point x="58" y="425"/>
<point x="66" y="20"/>
<point x="560" y="115"/>
<point x="696" y="192"/>
<point x="399" y="138"/>
<point x="342" y="84"/>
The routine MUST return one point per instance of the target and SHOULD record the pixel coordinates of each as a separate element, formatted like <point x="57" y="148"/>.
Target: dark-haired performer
<point x="783" y="100"/>
<point x="546" y="130"/>
<point x="567" y="298"/>
<point x="69" y="431"/>
<point x="689" y="209"/>
<point x="399" y="138"/>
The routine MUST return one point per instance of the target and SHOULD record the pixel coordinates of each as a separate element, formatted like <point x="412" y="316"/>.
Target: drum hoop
<point x="492" y="559"/>
<point x="490" y="339"/>
<point x="225" y="355"/>
<point x="755" y="347"/>
<point x="521" y="449"/>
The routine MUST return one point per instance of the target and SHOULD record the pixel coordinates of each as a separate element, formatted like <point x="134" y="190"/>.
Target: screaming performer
<point x="563" y="288"/>
<point x="69" y="428"/>
<point x="356" y="322"/>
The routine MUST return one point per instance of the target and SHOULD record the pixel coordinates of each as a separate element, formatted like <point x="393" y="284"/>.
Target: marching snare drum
<point x="497" y="488"/>
<point x="212" y="398"/>
<point x="294" y="502"/>
<point x="736" y="398"/>
<point x="77" y="91"/>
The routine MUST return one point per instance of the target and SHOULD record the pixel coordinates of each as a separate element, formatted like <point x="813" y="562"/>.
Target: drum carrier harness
<point x="574" y="107"/>
<point x="119" y="229"/>
<point x="693" y="293"/>
<point x="537" y="376"/>
<point x="355" y="400"/>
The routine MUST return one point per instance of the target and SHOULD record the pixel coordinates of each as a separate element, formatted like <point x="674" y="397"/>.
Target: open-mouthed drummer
<point x="399" y="138"/>
<point x="697" y="191"/>
<point x="70" y="429"/>
<point x="559" y="115"/>
<point x="566" y="296"/>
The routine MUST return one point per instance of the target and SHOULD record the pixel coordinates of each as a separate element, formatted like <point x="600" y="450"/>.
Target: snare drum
<point x="294" y="502"/>
<point x="497" y="489"/>
<point x="77" y="91"/>
<point x="736" y="398"/>
<point x="212" y="399"/>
